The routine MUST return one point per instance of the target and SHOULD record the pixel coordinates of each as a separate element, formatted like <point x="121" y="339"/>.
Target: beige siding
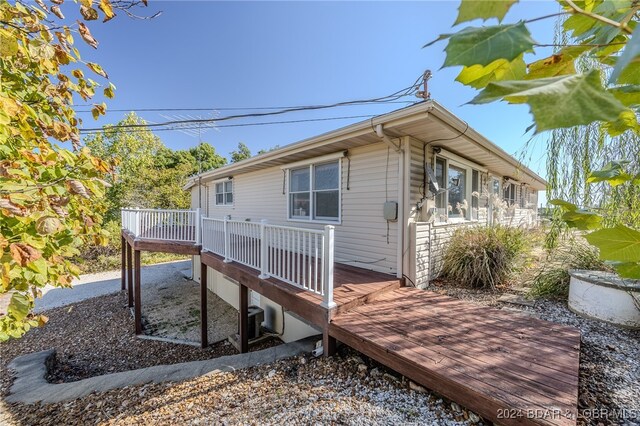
<point x="363" y="238"/>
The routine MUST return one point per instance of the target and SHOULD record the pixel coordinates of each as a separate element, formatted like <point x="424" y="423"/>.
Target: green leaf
<point x="582" y="219"/>
<point x="478" y="76"/>
<point x="630" y="52"/>
<point x="560" y="63"/>
<point x="486" y="9"/>
<point x="620" y="244"/>
<point x="628" y="270"/>
<point x="482" y="46"/>
<point x="557" y="102"/>
<point x="627" y="120"/>
<point x="613" y="172"/>
<point x="19" y="306"/>
<point x="629" y="95"/>
<point x="563" y="204"/>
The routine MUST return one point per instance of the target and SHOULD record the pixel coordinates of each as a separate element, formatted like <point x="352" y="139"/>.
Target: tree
<point x="204" y="157"/>
<point x="134" y="154"/>
<point x="242" y="153"/>
<point x="264" y="151"/>
<point x="560" y="94"/>
<point x="49" y="182"/>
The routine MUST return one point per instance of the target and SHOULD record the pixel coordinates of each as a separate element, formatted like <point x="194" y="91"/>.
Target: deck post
<point x="136" y="224"/>
<point x="226" y="240"/>
<point x="204" y="337"/>
<point x="123" y="262"/>
<point x="137" y="283"/>
<point x="327" y="265"/>
<point x="264" y="255"/>
<point x="198" y="227"/>
<point x="329" y="343"/>
<point x="243" y="321"/>
<point x="129" y="275"/>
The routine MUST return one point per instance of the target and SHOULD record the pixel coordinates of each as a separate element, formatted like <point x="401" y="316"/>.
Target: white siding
<point x="363" y="239"/>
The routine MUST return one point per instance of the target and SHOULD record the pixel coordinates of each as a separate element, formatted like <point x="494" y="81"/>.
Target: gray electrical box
<point x="391" y="210"/>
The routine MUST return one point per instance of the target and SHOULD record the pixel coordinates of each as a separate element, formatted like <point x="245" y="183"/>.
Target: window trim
<point x="224" y="193"/>
<point x="451" y="159"/>
<point x="311" y="165"/>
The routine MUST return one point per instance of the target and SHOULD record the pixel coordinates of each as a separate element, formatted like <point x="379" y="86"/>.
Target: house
<point x="394" y="188"/>
<point x="332" y="235"/>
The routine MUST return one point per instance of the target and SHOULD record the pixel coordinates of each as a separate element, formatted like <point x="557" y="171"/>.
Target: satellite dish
<point x="434" y="188"/>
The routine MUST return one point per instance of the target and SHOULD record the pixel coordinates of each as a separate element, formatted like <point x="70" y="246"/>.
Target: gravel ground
<point x="609" y="356"/>
<point x="96" y="337"/>
<point x="346" y="389"/>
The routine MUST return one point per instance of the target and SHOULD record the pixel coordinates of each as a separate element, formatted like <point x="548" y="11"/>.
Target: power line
<point x="226" y="108"/>
<point x="265" y="123"/>
<point x="392" y="97"/>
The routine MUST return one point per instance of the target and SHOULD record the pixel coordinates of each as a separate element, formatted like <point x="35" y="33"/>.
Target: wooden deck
<point x="352" y="287"/>
<point x="508" y="368"/>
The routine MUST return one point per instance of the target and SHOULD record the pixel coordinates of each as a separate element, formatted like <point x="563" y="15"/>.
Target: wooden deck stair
<point x="506" y="367"/>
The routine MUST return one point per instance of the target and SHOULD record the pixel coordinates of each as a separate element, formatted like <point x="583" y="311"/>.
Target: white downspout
<point x="401" y="201"/>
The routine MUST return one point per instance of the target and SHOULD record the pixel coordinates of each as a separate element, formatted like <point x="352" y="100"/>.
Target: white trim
<point x="224" y="193"/>
<point x="463" y="161"/>
<point x="311" y="165"/>
<point x="316" y="160"/>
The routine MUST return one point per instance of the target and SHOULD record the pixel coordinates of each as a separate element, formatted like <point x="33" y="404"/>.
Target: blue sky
<point x="212" y="54"/>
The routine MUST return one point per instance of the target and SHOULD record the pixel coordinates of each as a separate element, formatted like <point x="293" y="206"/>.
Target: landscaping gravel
<point x="609" y="355"/>
<point x="346" y="389"/>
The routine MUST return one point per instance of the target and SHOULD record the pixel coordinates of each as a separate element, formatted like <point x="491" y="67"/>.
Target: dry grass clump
<point x="484" y="257"/>
<point x="552" y="278"/>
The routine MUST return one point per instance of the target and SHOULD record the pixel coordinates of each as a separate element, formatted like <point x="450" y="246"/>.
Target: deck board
<point x="482" y="358"/>
<point x="459" y="355"/>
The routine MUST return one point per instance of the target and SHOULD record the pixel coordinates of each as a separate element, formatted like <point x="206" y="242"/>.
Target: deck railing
<point x="168" y="225"/>
<point x="298" y="256"/>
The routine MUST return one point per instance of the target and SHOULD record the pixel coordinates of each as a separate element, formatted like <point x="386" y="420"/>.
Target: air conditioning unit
<point x="255" y="320"/>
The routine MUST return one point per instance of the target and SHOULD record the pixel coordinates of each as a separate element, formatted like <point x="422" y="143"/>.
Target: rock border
<point x="30" y="385"/>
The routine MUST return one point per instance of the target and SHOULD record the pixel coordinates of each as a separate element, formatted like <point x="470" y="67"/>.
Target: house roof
<point x="427" y="121"/>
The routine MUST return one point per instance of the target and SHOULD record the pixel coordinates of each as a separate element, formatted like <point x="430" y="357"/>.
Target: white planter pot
<point x="605" y="296"/>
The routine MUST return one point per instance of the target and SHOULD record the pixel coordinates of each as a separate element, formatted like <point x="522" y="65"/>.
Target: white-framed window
<point x="314" y="192"/>
<point x="224" y="193"/>
<point x="457" y="181"/>
<point x="510" y="195"/>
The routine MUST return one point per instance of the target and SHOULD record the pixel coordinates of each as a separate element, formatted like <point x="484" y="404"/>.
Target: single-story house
<point x="393" y="187"/>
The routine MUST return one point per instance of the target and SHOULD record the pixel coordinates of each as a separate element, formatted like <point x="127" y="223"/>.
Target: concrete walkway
<point x="30" y="385"/>
<point x="93" y="285"/>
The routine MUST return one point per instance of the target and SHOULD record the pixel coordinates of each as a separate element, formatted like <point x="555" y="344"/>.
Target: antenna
<point x="187" y="129"/>
<point x="424" y="93"/>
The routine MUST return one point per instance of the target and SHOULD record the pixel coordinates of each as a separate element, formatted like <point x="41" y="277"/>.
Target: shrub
<point x="552" y="277"/>
<point x="483" y="257"/>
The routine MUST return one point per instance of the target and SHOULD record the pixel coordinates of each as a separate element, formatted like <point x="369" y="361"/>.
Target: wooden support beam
<point x="137" y="284"/>
<point x="243" y="321"/>
<point x="123" y="262"/>
<point x="204" y="338"/>
<point x="130" y="275"/>
<point x="329" y="343"/>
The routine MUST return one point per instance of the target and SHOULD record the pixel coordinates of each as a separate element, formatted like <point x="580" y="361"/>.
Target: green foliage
<point x="484" y="257"/>
<point x="593" y="117"/>
<point x="242" y="153"/>
<point x="147" y="174"/>
<point x="620" y="244"/>
<point x="552" y="278"/>
<point x="49" y="183"/>
<point x="558" y="95"/>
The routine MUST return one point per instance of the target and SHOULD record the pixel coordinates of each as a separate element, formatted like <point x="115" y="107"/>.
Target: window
<point x="510" y="194"/>
<point x="314" y="192"/>
<point x="456" y="182"/>
<point x="224" y="193"/>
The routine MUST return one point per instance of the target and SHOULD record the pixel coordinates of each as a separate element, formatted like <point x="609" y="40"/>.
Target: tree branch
<point x="621" y="25"/>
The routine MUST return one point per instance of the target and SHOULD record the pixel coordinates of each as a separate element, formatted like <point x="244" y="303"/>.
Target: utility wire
<point x="392" y="97"/>
<point x="111" y="128"/>
<point x="227" y="108"/>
